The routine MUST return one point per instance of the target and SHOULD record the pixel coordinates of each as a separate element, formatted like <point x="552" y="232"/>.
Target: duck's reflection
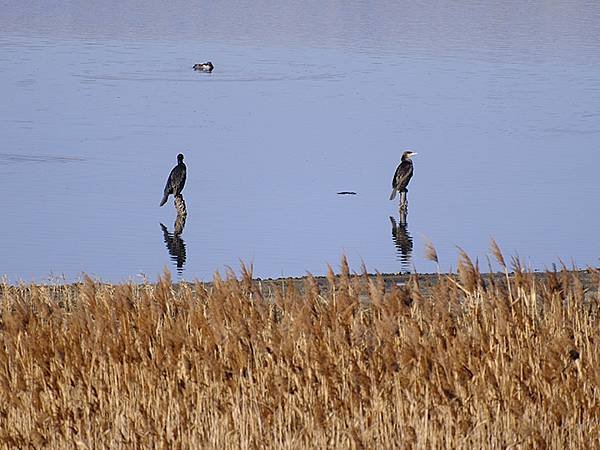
<point x="402" y="240"/>
<point x="176" y="245"/>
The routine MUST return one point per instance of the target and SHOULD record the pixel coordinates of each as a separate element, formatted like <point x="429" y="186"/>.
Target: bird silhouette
<point x="402" y="176"/>
<point x="176" y="180"/>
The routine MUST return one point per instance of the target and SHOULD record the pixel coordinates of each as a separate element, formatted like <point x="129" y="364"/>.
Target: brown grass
<point x="469" y="364"/>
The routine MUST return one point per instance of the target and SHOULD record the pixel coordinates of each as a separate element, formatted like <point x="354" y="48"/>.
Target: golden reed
<point x="472" y="361"/>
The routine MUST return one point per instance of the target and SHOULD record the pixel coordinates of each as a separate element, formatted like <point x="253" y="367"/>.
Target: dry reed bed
<point x="476" y="364"/>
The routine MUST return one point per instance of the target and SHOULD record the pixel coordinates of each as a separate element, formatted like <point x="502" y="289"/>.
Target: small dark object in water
<point x="346" y="193"/>
<point x="176" y="180"/>
<point x="204" y="67"/>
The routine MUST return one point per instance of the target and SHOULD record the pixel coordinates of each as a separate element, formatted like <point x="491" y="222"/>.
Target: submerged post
<point x="179" y="224"/>
<point x="180" y="205"/>
<point x="403" y="201"/>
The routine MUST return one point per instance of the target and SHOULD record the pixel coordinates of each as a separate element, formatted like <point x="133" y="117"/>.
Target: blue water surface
<point x="307" y="99"/>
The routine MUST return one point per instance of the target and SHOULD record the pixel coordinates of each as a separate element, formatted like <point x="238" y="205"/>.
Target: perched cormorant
<point x="204" y="67"/>
<point x="403" y="174"/>
<point x="176" y="180"/>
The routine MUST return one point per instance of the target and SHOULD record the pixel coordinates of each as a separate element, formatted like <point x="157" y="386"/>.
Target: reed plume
<point x="342" y="362"/>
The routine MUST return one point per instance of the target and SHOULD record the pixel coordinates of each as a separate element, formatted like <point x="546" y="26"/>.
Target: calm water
<point x="307" y="99"/>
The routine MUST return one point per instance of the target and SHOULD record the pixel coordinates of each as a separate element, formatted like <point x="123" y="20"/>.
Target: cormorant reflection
<point x="402" y="240"/>
<point x="176" y="245"/>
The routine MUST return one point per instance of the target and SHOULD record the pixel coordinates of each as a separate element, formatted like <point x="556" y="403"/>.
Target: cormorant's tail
<point x="164" y="199"/>
<point x="393" y="194"/>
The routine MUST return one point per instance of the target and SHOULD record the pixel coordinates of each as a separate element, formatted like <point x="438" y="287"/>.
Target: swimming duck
<point x="204" y="67"/>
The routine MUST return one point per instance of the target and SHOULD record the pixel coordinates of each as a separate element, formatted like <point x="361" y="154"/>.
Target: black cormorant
<point x="204" y="67"/>
<point x="403" y="174"/>
<point x="176" y="180"/>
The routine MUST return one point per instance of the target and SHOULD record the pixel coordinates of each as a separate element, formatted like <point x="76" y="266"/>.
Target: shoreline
<point x="424" y="282"/>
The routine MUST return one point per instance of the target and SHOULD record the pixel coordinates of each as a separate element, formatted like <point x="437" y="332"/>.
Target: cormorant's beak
<point x="413" y="154"/>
